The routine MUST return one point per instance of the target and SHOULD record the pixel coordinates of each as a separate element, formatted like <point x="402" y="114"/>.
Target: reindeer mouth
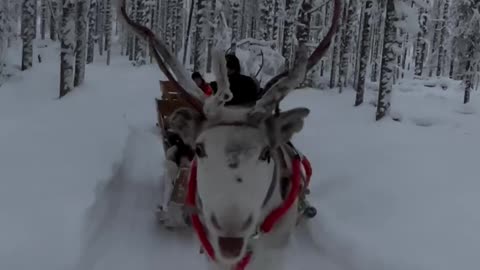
<point x="231" y="247"/>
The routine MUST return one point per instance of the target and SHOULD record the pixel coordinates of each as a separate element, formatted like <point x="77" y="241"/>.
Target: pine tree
<point x="108" y="29"/>
<point x="43" y="17"/>
<point x="442" y="51"/>
<point x="288" y="29"/>
<point x="92" y="22"/>
<point x="68" y="40"/>
<point x="346" y="40"/>
<point x="28" y="32"/>
<point x="54" y="22"/>
<point x="199" y="37"/>
<point x="388" y="61"/>
<point x="81" y="39"/>
<point x="364" y="51"/>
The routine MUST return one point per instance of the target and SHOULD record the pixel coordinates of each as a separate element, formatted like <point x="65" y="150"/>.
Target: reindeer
<point x="245" y="179"/>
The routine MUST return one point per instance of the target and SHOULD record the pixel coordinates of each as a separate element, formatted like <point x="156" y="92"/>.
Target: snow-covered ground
<point x="79" y="177"/>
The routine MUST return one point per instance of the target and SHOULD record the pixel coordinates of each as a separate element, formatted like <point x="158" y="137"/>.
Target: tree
<point x="364" y="52"/>
<point x="108" y="29"/>
<point x="388" y="61"/>
<point x="199" y="37"/>
<point x="81" y="39"/>
<point x="68" y="40"/>
<point x="92" y="23"/>
<point x="28" y="32"/>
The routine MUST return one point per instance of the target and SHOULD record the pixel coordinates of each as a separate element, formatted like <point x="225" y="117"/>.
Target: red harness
<point x="269" y="221"/>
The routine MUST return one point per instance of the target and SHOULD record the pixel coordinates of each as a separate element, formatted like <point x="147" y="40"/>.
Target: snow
<point x="80" y="176"/>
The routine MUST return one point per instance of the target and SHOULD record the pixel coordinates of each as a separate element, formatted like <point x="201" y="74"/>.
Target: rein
<point x="270" y="221"/>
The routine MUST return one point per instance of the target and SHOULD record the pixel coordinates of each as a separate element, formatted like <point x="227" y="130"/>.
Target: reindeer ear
<point x="186" y="122"/>
<point x="280" y="128"/>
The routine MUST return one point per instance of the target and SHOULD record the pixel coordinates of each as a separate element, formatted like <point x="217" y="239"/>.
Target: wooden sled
<point x="175" y="214"/>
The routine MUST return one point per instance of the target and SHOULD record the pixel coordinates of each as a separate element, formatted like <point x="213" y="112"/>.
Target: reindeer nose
<point x="231" y="225"/>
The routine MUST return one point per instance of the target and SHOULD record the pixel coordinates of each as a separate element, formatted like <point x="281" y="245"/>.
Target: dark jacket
<point x="244" y="90"/>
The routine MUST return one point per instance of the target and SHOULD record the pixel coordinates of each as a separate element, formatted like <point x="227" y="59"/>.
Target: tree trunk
<point x="92" y="22"/>
<point x="388" y="62"/>
<point x="28" y="32"/>
<point x="345" y="45"/>
<point x="199" y="41"/>
<point x="288" y="32"/>
<point x="421" y="48"/>
<point x="81" y="32"/>
<point x="364" y="50"/>
<point x="442" y="50"/>
<point x="213" y="22"/>
<point x="67" y="55"/>
<point x="54" y="19"/>
<point x="108" y="29"/>
<point x="43" y="22"/>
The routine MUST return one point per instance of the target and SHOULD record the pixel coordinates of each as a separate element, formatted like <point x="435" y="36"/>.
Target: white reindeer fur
<point x="229" y="200"/>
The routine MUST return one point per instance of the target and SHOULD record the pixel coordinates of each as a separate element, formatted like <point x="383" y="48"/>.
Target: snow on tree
<point x="43" y="18"/>
<point x="236" y="21"/>
<point x="92" y="22"/>
<point x="179" y="17"/>
<point x="364" y="52"/>
<point x="287" y="47"/>
<point x="442" y="50"/>
<point x="81" y="39"/>
<point x="467" y="40"/>
<point x="141" y="17"/>
<point x="68" y="40"/>
<point x="108" y="29"/>
<point x="54" y="21"/>
<point x="388" y="61"/>
<point x="266" y="9"/>
<point x="345" y="46"/>
<point x="421" y="46"/>
<point x="212" y="15"/>
<point x="28" y="32"/>
<point x="199" y="37"/>
<point x="100" y="26"/>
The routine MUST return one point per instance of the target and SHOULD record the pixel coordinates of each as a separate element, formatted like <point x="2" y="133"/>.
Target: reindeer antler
<point x="166" y="61"/>
<point x="279" y="86"/>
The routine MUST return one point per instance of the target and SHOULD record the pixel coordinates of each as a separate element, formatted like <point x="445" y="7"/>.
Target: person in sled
<point x="198" y="79"/>
<point x="244" y="88"/>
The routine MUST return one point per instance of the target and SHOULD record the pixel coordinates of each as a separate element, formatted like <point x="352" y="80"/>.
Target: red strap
<point x="191" y="201"/>
<point x="279" y="212"/>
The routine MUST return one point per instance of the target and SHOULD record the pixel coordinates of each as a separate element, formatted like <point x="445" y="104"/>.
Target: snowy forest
<point x="390" y="124"/>
<point x="377" y="44"/>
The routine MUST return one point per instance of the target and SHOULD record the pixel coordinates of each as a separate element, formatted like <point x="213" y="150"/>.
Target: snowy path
<point x="123" y="234"/>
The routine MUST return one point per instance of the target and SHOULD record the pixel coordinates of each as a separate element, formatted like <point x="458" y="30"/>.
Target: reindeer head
<point x="235" y="146"/>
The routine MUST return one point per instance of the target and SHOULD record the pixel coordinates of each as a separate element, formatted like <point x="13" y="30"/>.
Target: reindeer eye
<point x="265" y="155"/>
<point x="200" y="150"/>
